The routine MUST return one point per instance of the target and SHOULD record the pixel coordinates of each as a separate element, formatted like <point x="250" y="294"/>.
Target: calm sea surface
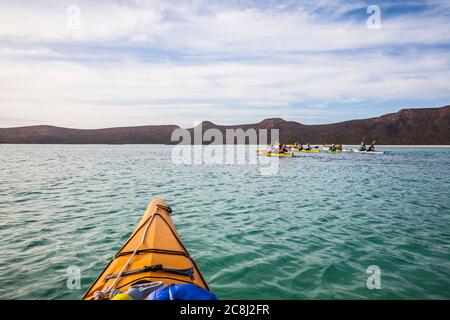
<point x="309" y="232"/>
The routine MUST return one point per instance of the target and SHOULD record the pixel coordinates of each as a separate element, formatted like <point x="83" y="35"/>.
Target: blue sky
<point x="143" y="62"/>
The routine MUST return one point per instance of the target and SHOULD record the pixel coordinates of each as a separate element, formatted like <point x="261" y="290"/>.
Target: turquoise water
<point x="308" y="233"/>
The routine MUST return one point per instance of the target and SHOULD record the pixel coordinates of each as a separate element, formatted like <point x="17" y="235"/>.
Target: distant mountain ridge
<point x="426" y="126"/>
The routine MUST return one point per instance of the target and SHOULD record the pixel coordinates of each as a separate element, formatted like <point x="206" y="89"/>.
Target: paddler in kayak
<point x="363" y="147"/>
<point x="275" y="148"/>
<point x="283" y="148"/>
<point x="332" y="148"/>
<point x="371" y="148"/>
<point x="308" y="147"/>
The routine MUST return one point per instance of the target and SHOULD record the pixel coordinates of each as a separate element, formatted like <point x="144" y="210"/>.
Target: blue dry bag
<point x="181" y="292"/>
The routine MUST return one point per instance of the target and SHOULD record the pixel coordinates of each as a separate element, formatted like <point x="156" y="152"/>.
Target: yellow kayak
<point x="272" y="154"/>
<point x="154" y="252"/>
<point x="306" y="151"/>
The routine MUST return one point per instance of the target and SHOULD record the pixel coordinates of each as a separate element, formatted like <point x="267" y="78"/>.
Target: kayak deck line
<point x="156" y="267"/>
<point x="153" y="251"/>
<point x="159" y="256"/>
<point x="151" y="218"/>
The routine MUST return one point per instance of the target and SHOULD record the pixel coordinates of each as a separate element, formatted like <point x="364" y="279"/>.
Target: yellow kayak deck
<point x="307" y="151"/>
<point x="272" y="154"/>
<point x="158" y="245"/>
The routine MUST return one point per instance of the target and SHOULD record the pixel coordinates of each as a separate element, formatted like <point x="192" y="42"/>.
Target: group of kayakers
<point x="338" y="147"/>
<point x="301" y="146"/>
<point x="284" y="148"/>
<point x="280" y="148"/>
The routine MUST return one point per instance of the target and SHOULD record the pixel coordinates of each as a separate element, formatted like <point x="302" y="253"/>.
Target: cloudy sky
<point x="91" y="64"/>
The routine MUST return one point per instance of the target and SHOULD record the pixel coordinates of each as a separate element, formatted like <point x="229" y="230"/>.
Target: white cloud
<point x="219" y="29"/>
<point x="31" y="53"/>
<point x="153" y="89"/>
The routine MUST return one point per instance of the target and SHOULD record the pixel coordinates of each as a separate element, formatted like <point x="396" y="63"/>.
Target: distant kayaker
<point x="363" y="147"/>
<point x="371" y="148"/>
<point x="332" y="148"/>
<point x="275" y="148"/>
<point x="308" y="147"/>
